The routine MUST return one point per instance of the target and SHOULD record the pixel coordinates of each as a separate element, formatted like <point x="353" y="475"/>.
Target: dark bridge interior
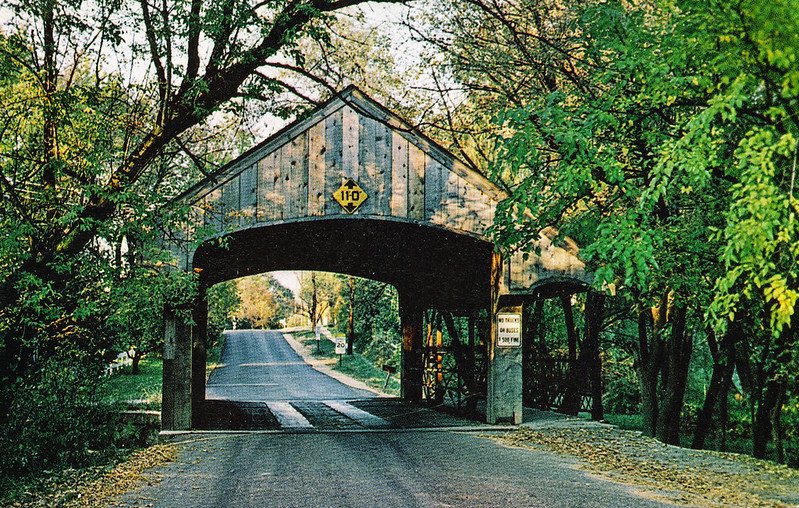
<point x="433" y="266"/>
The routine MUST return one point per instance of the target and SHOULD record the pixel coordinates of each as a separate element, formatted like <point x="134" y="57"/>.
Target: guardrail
<point x="122" y="360"/>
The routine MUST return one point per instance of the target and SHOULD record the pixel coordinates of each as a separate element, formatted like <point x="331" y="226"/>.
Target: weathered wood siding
<point x="297" y="178"/>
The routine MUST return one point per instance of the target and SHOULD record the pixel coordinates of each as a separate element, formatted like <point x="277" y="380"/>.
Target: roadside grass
<point x="356" y="365"/>
<point x="734" y="444"/>
<point x="626" y="422"/>
<point x="142" y="390"/>
<point x="214" y="353"/>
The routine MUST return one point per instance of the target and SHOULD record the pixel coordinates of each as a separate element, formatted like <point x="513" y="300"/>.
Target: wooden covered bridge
<point x="353" y="189"/>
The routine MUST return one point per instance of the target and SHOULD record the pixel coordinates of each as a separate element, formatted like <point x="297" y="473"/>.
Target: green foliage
<point x="55" y="419"/>
<point x="622" y="395"/>
<point x="137" y="302"/>
<point x="667" y="145"/>
<point x="91" y="153"/>
<point x="223" y="301"/>
<point x="375" y="319"/>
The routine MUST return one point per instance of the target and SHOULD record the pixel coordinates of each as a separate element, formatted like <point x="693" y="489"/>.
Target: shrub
<point x="622" y="396"/>
<point x="56" y="421"/>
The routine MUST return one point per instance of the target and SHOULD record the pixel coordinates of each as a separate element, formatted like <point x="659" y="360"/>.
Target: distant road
<point x="259" y="365"/>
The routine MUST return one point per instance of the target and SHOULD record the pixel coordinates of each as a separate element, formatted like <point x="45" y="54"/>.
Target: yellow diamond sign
<point x="350" y="196"/>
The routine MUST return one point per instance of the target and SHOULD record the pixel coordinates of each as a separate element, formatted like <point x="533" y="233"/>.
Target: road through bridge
<point x="331" y="445"/>
<point x="351" y="188"/>
<point x="262" y="384"/>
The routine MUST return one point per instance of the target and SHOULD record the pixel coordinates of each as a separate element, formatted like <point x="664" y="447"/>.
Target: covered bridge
<point x="353" y="189"/>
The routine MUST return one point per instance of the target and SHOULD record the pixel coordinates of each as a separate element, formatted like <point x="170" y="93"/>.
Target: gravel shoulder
<point x="664" y="472"/>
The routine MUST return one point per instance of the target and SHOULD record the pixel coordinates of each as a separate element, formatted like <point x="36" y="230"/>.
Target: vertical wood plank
<point x="383" y="154"/>
<point x="399" y="176"/>
<point x="316" y="169"/>
<point x="286" y="178"/>
<point x="483" y="216"/>
<point x="469" y="197"/>
<point x="434" y="189"/>
<point x="454" y="207"/>
<point x="230" y="200"/>
<point x="270" y="188"/>
<point x="416" y="182"/>
<point x="265" y="185"/>
<point x="367" y="170"/>
<point x="296" y="177"/>
<point x="351" y="135"/>
<point x="248" y="196"/>
<point x="213" y="208"/>
<point x="333" y="160"/>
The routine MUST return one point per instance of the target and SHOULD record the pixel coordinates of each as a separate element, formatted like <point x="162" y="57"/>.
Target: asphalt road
<point x="373" y="469"/>
<point x="259" y="365"/>
<point x="356" y="462"/>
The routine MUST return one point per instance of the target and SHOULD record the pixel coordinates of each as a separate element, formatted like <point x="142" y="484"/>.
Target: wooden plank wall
<point x="298" y="178"/>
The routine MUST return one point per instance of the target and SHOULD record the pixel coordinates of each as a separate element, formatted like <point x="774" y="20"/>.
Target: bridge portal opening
<point x="441" y="279"/>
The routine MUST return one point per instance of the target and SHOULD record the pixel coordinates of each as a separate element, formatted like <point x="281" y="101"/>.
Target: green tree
<point x="319" y="293"/>
<point x="223" y="302"/>
<point x="264" y="302"/>
<point x="669" y="156"/>
<point x="105" y="109"/>
<point x="375" y="318"/>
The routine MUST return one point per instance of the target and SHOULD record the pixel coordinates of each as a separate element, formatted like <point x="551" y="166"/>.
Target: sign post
<point x="505" y="365"/>
<point x="509" y="330"/>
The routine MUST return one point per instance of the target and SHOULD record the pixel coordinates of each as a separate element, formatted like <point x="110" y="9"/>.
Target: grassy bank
<point x="142" y="390"/>
<point x="356" y="366"/>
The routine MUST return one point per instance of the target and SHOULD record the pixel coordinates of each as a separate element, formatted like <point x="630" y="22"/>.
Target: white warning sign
<point x="509" y="330"/>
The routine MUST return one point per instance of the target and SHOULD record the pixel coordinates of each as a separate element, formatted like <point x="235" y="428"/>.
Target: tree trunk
<point x="724" y="412"/>
<point x="571" y="330"/>
<point x="675" y="372"/>
<point x="777" y="432"/>
<point x="137" y="354"/>
<point x="723" y="364"/>
<point x="762" y="428"/>
<point x="594" y="314"/>
<point x="769" y="410"/>
<point x="577" y="373"/>
<point x="351" y="318"/>
<point x="647" y="366"/>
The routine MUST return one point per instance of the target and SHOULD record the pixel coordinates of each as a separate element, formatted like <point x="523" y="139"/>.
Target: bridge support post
<point x="176" y="398"/>
<point x="199" y="357"/>
<point x="505" y="387"/>
<point x="504" y="390"/>
<point x="412" y="351"/>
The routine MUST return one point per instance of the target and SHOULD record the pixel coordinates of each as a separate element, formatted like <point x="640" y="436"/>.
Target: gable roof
<point x="364" y="105"/>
